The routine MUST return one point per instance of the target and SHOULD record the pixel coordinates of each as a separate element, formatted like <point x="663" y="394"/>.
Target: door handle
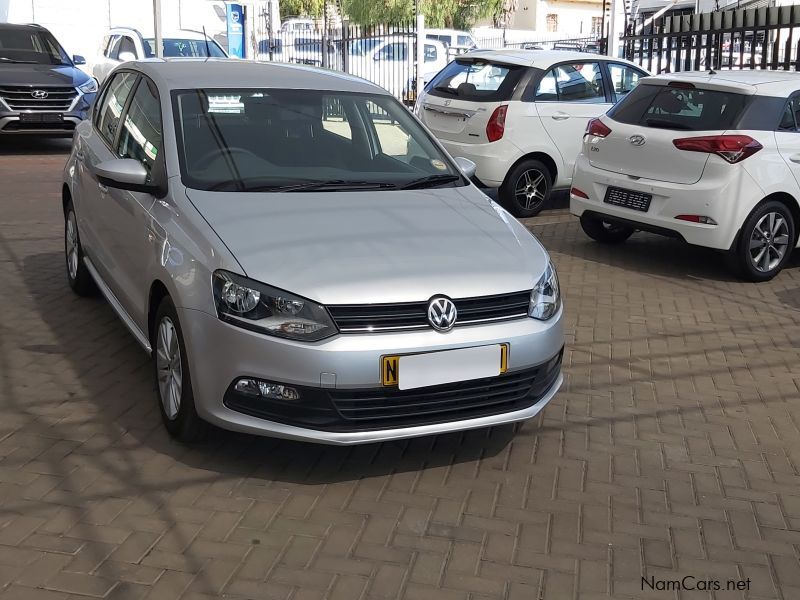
<point x="560" y="116"/>
<point x="795" y="158"/>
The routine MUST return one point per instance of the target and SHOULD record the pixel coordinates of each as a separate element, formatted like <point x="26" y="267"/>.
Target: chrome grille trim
<point x="19" y="98"/>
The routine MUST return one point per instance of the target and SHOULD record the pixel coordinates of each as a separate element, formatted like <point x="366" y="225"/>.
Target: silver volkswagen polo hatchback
<point x="302" y="259"/>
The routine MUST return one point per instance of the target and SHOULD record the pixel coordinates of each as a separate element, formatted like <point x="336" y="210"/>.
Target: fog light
<point x="697" y="219"/>
<point x="265" y="389"/>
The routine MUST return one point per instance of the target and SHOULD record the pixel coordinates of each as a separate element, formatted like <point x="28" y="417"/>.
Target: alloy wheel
<point x="71" y="245"/>
<point x="769" y="242"/>
<point x="168" y="366"/>
<point x="530" y="189"/>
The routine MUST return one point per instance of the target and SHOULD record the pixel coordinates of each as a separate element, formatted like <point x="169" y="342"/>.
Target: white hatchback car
<point x="709" y="158"/>
<point x="519" y="115"/>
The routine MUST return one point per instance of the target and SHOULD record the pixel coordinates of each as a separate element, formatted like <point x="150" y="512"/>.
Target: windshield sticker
<point x="437" y="164"/>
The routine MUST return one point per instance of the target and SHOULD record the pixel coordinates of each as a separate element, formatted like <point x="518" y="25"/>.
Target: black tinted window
<point x="140" y="138"/>
<point x="476" y="80"/>
<point x="29" y="45"/>
<point x="668" y="107"/>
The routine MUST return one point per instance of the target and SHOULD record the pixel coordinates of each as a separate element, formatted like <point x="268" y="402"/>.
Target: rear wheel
<point x="527" y="187"/>
<point x="765" y="242"/>
<point x="605" y="232"/>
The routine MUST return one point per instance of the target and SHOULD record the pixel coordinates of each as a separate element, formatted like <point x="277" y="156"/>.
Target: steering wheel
<point x="214" y="152"/>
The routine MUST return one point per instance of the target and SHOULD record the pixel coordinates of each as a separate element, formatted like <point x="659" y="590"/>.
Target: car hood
<point x="33" y="75"/>
<point x="374" y="247"/>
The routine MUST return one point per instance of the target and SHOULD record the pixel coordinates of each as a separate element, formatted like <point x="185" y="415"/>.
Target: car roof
<point x="749" y="80"/>
<point x="192" y="73"/>
<point x="541" y="59"/>
<point x="5" y="25"/>
<point x="186" y="34"/>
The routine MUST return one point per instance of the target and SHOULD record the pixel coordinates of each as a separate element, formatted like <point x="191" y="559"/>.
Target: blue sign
<point x="235" y="30"/>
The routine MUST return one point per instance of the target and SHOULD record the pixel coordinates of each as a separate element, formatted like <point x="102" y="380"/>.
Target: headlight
<point x="546" y="295"/>
<point x="90" y="87"/>
<point x="258" y="307"/>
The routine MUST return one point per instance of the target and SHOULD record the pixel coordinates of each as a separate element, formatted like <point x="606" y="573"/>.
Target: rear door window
<point x="679" y="108"/>
<point x="475" y="80"/>
<point x="578" y="82"/>
<point x="623" y="79"/>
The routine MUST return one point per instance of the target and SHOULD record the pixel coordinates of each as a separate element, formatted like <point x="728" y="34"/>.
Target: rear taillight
<point x="597" y="128"/>
<point x="497" y="123"/>
<point x="733" y="148"/>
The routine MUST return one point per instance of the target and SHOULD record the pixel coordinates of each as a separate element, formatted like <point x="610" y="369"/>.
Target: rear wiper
<point x="430" y="181"/>
<point x="331" y="185"/>
<point x="665" y="124"/>
<point x="448" y="90"/>
<point x="18" y="62"/>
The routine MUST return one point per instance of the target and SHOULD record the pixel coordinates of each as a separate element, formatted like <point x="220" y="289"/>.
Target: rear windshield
<point x="666" y="107"/>
<point x="476" y="80"/>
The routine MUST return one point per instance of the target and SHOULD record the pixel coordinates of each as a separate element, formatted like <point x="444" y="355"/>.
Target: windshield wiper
<point x="430" y="181"/>
<point x="448" y="90"/>
<point x="18" y="62"/>
<point x="331" y="185"/>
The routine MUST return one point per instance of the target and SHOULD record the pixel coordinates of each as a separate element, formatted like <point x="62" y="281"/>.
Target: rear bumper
<point x="493" y="160"/>
<point x="727" y="200"/>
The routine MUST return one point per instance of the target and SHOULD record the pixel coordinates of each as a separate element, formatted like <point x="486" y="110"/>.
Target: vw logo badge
<point x="637" y="140"/>
<point x="39" y="94"/>
<point x="442" y="313"/>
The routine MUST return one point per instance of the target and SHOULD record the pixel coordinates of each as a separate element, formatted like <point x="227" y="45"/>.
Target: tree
<point x="301" y="8"/>
<point x="460" y="14"/>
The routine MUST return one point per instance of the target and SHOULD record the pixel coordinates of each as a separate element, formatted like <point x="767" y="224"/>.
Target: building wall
<point x="573" y="18"/>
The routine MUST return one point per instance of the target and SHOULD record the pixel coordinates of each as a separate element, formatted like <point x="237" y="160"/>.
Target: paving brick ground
<point x="672" y="451"/>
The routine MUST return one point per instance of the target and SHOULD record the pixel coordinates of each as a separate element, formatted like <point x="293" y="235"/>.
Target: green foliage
<point x="459" y="14"/>
<point x="301" y="8"/>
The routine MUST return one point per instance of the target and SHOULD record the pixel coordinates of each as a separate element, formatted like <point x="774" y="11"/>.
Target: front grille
<point x="18" y="97"/>
<point x="367" y="318"/>
<point x="454" y="401"/>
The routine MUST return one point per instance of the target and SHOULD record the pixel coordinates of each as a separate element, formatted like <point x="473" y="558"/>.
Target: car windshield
<point x="29" y="45"/>
<point x="287" y="140"/>
<point x="176" y="47"/>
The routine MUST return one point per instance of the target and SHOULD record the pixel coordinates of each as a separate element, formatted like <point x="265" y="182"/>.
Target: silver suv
<point x="302" y="259"/>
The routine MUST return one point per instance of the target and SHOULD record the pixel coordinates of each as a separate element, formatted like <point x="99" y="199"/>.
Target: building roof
<point x="192" y="73"/>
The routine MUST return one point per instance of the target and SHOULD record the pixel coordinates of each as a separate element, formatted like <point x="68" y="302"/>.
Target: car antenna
<point x="208" y="48"/>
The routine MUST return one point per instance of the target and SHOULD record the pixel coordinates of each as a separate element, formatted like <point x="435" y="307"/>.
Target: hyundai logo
<point x="39" y="94"/>
<point x="442" y="313"/>
<point x="637" y="140"/>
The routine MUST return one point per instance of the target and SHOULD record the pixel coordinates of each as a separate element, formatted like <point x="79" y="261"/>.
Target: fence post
<point x="420" y="59"/>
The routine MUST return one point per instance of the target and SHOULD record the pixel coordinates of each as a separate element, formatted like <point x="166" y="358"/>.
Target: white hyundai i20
<point x="710" y="158"/>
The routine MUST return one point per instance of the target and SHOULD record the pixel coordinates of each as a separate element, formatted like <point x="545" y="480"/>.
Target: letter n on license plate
<point x="390" y="364"/>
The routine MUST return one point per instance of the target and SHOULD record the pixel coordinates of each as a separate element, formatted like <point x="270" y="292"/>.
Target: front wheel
<point x="605" y="232"/>
<point x="765" y="242"/>
<point x="527" y="188"/>
<point x="78" y="276"/>
<point x="173" y="379"/>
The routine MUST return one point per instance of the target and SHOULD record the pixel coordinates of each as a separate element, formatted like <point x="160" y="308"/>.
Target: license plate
<point x="628" y="199"/>
<point x="410" y="371"/>
<point x="39" y="117"/>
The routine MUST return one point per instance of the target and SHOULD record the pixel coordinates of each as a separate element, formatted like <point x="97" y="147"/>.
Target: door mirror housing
<point x="466" y="166"/>
<point x="125" y="174"/>
<point x="77" y="59"/>
<point x="126" y="56"/>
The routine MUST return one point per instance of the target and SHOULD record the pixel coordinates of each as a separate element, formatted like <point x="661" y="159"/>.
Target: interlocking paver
<point x="673" y="449"/>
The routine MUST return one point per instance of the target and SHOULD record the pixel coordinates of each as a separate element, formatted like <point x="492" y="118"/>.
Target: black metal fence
<point x="758" y="38"/>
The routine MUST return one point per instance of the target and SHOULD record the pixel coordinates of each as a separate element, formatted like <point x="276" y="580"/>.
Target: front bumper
<point x="335" y="375"/>
<point x="12" y="124"/>
<point x="724" y="194"/>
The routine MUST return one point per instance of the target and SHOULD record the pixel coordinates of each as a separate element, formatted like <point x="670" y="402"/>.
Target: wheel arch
<point x="158" y="291"/>
<point x="542" y="157"/>
<point x="66" y="198"/>
<point x="784" y="198"/>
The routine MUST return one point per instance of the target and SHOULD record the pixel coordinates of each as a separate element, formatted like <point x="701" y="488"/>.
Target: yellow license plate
<point x="390" y="366"/>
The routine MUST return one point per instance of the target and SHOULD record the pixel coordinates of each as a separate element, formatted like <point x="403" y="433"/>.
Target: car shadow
<point x="116" y="376"/>
<point x="34" y="145"/>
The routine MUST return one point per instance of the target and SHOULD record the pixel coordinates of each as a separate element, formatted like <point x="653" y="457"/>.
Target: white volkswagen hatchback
<point x="709" y="158"/>
<point x="519" y="115"/>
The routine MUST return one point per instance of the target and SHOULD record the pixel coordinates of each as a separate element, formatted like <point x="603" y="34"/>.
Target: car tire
<point x="172" y="377"/>
<point x="526" y="189"/>
<point x="605" y="232"/>
<point x="765" y="242"/>
<point x="78" y="276"/>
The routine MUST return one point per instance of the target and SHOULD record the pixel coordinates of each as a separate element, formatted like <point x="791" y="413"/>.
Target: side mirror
<point x="77" y="59"/>
<point x="125" y="174"/>
<point x="466" y="165"/>
<point x="126" y="56"/>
